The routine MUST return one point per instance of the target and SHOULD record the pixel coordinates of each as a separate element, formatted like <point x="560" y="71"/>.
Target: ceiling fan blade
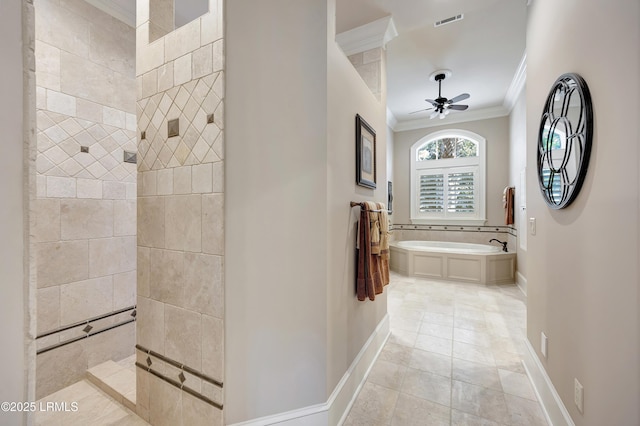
<point x="458" y="98"/>
<point x="432" y="102"/>
<point x="420" y="110"/>
<point x="458" y="107"/>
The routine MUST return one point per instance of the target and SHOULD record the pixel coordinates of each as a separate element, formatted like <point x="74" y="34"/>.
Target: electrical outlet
<point x="544" y="341"/>
<point x="578" y="395"/>
<point x="532" y="225"/>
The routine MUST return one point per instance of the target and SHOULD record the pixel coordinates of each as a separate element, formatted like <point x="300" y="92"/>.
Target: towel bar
<point x="353" y="204"/>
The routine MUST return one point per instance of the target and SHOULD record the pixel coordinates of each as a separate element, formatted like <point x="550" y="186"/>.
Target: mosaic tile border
<point x="456" y="228"/>
<point x="181" y="379"/>
<point x="87" y="331"/>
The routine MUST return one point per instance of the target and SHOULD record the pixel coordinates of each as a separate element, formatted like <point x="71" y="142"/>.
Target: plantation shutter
<point x="461" y="188"/>
<point x="556" y="188"/>
<point x="431" y="193"/>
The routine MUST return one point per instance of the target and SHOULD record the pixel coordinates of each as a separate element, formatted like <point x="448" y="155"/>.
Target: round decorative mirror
<point x="564" y="140"/>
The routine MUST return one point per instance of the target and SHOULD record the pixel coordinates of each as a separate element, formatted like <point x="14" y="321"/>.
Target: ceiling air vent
<point x="449" y="20"/>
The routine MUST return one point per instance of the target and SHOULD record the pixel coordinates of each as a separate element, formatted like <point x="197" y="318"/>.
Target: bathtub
<point x="466" y="262"/>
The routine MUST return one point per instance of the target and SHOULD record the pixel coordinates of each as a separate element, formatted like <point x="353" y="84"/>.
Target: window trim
<point x="418" y="166"/>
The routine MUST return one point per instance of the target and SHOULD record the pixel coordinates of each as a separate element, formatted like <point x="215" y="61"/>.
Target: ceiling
<point x="483" y="51"/>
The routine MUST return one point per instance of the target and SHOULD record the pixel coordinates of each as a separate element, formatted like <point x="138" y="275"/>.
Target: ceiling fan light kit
<point x="441" y="105"/>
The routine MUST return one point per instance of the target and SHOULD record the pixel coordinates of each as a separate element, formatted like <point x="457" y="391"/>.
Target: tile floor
<point x="94" y="406"/>
<point x="453" y="358"/>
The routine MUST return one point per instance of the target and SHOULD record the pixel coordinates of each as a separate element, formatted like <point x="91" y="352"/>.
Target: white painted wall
<point x="495" y="131"/>
<point x="583" y="262"/>
<point x="293" y="323"/>
<point x="276" y="211"/>
<point x="351" y="322"/>
<point x="517" y="162"/>
<point x="12" y="303"/>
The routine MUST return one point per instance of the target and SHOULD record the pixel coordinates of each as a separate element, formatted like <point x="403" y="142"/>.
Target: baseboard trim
<point x="335" y="410"/>
<point x="553" y="407"/>
<point x="521" y="282"/>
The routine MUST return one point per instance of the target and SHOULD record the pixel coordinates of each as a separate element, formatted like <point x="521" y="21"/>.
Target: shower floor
<point x="93" y="407"/>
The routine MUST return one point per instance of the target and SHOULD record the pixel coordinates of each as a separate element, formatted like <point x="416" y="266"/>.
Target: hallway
<point x="453" y="358"/>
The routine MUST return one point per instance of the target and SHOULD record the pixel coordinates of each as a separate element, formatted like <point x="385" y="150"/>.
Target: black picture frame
<point x="365" y="154"/>
<point x="389" y="197"/>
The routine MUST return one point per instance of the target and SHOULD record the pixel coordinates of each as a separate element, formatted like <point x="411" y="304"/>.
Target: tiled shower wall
<point x="86" y="201"/>
<point x="180" y="220"/>
<point x="368" y="64"/>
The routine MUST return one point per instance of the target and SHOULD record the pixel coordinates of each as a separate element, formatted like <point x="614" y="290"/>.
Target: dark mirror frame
<point x="566" y="87"/>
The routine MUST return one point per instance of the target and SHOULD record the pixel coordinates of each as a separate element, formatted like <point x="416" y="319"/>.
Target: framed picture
<point x="390" y="197"/>
<point x="365" y="154"/>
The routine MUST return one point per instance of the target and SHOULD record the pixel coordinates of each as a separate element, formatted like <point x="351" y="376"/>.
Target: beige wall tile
<point x="165" y="77"/>
<point x="59" y="187"/>
<point x="88" y="110"/>
<point x="85" y="79"/>
<point x="213" y="223"/>
<point x="58" y="27"/>
<point x="83" y="219"/>
<point x="114" y="117"/>
<point x="218" y="176"/>
<point x="150" y="324"/>
<point x="183" y="222"/>
<point x="202" y="61"/>
<point x="213" y="347"/>
<point x="150" y="83"/>
<point x="183" y="339"/>
<point x="167" y="269"/>
<point x="85" y="299"/>
<point x="114" y="49"/>
<point x="182" y="71"/>
<point x="151" y="225"/>
<point x="182" y="180"/>
<point x="143" y="271"/>
<point x="165" y="403"/>
<point x="149" y="183"/>
<point x="111" y="256"/>
<point x="124" y="217"/>
<point x="150" y="57"/>
<point x="59" y="368"/>
<point x="218" y="56"/>
<point x="47" y="58"/>
<point x="62" y="262"/>
<point x="47" y="220"/>
<point x="211" y="31"/>
<point x="48" y="309"/>
<point x="89" y="188"/>
<point x="132" y="190"/>
<point x="142" y="390"/>
<point x="203" y="284"/>
<point x="202" y="178"/>
<point x="196" y="412"/>
<point x="61" y="103"/>
<point x="165" y="182"/>
<point x="183" y="40"/>
<point x="124" y="290"/>
<point x="115" y="344"/>
<point x="114" y="190"/>
<point x="41" y="186"/>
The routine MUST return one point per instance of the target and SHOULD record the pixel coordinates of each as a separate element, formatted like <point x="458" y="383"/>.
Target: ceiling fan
<point x="442" y="106"/>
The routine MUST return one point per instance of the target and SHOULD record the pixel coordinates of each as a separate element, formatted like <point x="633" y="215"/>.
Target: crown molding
<point x="517" y="84"/>
<point x="366" y="37"/>
<point x="481" y="114"/>
<point x="115" y="10"/>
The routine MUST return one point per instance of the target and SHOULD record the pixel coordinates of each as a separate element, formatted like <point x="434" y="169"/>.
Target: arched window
<point x="448" y="178"/>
